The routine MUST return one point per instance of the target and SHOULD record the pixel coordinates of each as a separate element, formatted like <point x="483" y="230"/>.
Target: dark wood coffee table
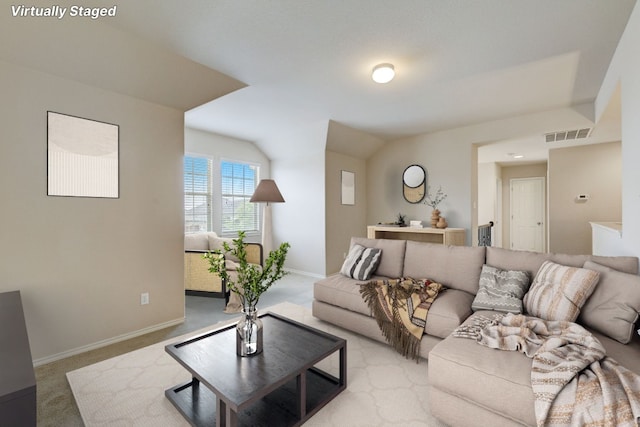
<point x="279" y="387"/>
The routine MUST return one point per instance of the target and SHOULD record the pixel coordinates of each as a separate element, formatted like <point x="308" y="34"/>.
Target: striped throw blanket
<point x="400" y="307"/>
<point x="573" y="381"/>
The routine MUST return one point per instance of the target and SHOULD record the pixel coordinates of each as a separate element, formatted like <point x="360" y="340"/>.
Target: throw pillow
<point x="351" y="260"/>
<point x="558" y="292"/>
<point x="361" y="262"/>
<point x="217" y="243"/>
<point x="501" y="290"/>
<point x="367" y="264"/>
<point x="613" y="307"/>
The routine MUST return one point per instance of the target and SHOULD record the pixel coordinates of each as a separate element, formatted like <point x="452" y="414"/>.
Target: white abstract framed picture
<point x="82" y="157"/>
<point x="348" y="180"/>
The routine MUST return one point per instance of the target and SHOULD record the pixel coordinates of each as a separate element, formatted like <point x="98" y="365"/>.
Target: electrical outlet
<point x="144" y="298"/>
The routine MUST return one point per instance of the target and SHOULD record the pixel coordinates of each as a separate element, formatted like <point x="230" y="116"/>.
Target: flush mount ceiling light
<point x="383" y="73"/>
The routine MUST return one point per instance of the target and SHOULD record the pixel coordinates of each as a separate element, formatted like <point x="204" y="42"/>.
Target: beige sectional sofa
<point x="469" y="384"/>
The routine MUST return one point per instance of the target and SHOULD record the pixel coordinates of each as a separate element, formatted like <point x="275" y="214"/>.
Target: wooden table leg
<point x="301" y="386"/>
<point x="221" y="412"/>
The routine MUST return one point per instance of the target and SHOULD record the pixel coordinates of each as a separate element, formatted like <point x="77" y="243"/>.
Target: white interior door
<point x="527" y="214"/>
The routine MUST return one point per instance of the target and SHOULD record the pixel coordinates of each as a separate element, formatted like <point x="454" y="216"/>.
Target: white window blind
<point x="197" y="194"/>
<point x="239" y="181"/>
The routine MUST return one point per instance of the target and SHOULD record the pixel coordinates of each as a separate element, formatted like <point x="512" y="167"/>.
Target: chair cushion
<point x="558" y="292"/>
<point x="196" y="242"/>
<point x="614" y="305"/>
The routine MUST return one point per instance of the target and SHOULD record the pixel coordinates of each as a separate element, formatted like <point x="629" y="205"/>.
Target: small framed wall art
<point x="82" y="157"/>
<point x="348" y="180"/>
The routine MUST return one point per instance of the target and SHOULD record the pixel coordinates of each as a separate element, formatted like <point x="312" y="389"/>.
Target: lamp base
<point x="267" y="234"/>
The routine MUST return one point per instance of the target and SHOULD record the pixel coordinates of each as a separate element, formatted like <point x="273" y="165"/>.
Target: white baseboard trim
<point x="104" y="343"/>
<point x="305" y="273"/>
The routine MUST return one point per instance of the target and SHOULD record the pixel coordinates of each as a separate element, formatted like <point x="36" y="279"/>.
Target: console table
<point x="443" y="236"/>
<point x="17" y="379"/>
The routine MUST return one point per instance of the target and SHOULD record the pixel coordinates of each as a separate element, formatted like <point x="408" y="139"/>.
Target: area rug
<point x="383" y="388"/>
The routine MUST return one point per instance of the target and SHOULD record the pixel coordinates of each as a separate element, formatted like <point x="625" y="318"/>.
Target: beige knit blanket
<point x="573" y="381"/>
<point x="400" y="307"/>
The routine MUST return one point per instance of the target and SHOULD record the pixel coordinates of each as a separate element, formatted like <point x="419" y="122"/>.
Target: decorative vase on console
<point x="435" y="217"/>
<point x="252" y="281"/>
<point x="434" y="200"/>
<point x="442" y="223"/>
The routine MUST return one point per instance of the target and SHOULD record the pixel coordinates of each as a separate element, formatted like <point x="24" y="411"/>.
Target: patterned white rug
<point x="383" y="388"/>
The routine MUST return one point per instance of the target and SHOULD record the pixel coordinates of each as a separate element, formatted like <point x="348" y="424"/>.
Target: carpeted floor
<point x="383" y="388"/>
<point x="56" y="405"/>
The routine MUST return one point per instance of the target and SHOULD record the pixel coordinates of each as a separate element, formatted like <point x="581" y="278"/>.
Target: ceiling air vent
<point x="567" y="135"/>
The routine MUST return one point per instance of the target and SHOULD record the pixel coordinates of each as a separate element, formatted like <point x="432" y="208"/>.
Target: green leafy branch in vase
<point x="252" y="279"/>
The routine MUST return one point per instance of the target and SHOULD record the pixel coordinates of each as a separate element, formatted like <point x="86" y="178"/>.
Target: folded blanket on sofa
<point x="400" y="307"/>
<point x="573" y="381"/>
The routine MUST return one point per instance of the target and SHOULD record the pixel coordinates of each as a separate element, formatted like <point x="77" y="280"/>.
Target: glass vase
<point x="249" y="333"/>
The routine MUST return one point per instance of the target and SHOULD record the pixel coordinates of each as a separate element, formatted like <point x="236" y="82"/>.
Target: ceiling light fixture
<point x="383" y="73"/>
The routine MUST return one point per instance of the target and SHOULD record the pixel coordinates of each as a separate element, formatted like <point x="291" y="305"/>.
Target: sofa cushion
<point x="343" y="292"/>
<point x="558" y="292"/>
<point x="447" y="312"/>
<point x="196" y="242"/>
<point x="392" y="254"/>
<point x="614" y="305"/>
<point x="497" y="380"/>
<point x="361" y="262"/>
<point x="507" y="259"/>
<point x="502" y="379"/>
<point x="456" y="267"/>
<point x="501" y="290"/>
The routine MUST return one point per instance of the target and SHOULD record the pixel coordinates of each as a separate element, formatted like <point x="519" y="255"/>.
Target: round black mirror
<point x="414" y="183"/>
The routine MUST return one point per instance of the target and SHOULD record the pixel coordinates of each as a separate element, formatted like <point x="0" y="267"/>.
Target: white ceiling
<point x="458" y="62"/>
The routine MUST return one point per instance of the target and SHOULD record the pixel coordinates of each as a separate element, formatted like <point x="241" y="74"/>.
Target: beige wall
<point x="624" y="70"/>
<point x="591" y="169"/>
<point x="514" y="172"/>
<point x="81" y="263"/>
<point x="343" y="221"/>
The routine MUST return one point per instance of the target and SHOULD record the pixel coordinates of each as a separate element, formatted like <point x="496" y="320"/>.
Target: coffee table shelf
<point x="281" y="386"/>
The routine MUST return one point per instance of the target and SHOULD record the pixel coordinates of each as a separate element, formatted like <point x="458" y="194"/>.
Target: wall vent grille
<point x="567" y="135"/>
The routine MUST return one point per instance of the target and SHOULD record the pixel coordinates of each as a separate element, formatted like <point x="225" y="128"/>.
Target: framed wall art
<point x="82" y="157"/>
<point x="348" y="188"/>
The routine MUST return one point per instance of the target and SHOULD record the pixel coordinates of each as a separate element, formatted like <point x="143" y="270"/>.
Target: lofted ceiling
<point x="458" y="62"/>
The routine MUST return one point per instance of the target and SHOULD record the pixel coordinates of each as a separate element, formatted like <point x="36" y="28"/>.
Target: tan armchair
<point x="197" y="278"/>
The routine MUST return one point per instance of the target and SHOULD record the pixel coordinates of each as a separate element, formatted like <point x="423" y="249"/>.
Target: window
<point x="197" y="194"/>
<point x="239" y="181"/>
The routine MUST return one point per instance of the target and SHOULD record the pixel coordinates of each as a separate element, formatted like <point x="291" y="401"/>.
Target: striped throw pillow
<point x="558" y="292"/>
<point x="501" y="290"/>
<point x="361" y="262"/>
